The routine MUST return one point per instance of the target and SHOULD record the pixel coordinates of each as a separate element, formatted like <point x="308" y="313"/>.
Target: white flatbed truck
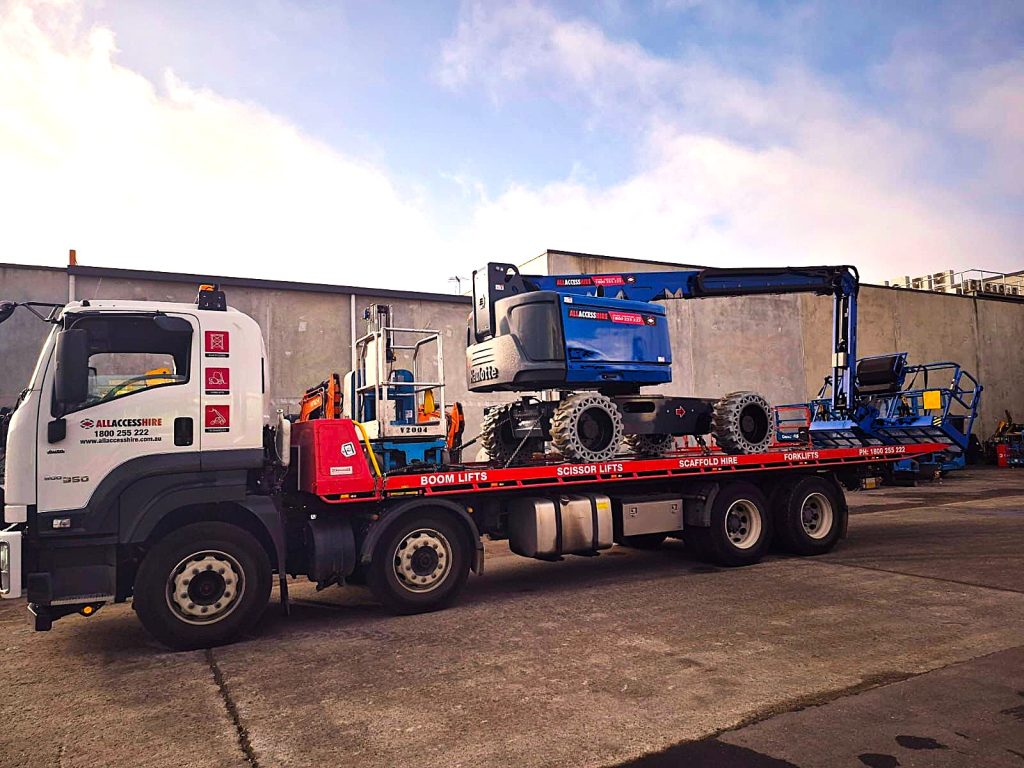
<point x="139" y="466"/>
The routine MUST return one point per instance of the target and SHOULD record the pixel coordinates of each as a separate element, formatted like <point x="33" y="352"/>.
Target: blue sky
<point x="388" y="134"/>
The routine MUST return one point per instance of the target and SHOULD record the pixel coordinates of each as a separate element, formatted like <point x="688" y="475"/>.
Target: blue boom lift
<point x="597" y="340"/>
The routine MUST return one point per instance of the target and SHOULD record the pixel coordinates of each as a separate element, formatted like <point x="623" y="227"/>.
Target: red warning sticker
<point x="217" y="418"/>
<point x="218" y="344"/>
<point x="217" y="381"/>
<point x="629" y="318"/>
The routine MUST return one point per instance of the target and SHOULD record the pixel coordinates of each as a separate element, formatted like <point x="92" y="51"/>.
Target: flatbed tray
<point x="482" y="478"/>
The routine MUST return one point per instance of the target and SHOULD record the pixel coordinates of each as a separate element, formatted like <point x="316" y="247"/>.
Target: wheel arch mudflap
<point x="260" y="515"/>
<point x="158" y="517"/>
<point x="697" y="505"/>
<point x="400" y="510"/>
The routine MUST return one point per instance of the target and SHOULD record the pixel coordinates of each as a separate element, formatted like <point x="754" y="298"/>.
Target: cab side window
<point x="129" y="354"/>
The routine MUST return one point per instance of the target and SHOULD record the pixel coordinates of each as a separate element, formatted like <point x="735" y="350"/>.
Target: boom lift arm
<point x="500" y="281"/>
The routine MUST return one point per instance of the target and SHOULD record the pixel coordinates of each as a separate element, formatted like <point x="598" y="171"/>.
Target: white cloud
<point x="168" y="176"/>
<point x="728" y="170"/>
<point x="734" y="171"/>
<point x="991" y="110"/>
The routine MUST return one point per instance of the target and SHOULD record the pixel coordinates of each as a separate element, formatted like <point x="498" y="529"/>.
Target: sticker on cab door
<point x="217" y="381"/>
<point x="217" y="344"/>
<point x="217" y="418"/>
<point x="134" y="430"/>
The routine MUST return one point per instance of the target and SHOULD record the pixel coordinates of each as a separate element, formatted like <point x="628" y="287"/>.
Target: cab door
<point x="140" y="416"/>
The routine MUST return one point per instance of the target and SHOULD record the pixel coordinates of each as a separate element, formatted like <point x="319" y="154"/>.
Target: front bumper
<point x="59" y="577"/>
<point x="10" y="564"/>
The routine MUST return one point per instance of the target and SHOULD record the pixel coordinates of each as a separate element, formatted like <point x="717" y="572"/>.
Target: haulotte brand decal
<point x="483" y="373"/>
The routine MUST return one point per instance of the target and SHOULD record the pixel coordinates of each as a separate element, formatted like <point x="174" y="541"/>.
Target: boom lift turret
<point x="597" y="340"/>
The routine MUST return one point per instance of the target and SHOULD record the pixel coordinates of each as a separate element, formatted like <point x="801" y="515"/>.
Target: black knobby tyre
<point x="650" y="445"/>
<point x="403" y="574"/>
<point x="587" y="426"/>
<point x="741" y="528"/>
<point x="809" y="516"/>
<point x="213" y="566"/>
<point x="497" y="435"/>
<point x="742" y="422"/>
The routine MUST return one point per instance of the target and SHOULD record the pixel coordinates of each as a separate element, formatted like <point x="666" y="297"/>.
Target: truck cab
<point x="136" y="412"/>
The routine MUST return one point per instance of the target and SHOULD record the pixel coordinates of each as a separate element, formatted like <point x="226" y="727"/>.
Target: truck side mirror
<point x="71" y="377"/>
<point x="6" y="309"/>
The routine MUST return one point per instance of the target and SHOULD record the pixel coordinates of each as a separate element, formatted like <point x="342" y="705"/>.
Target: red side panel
<point x="331" y="458"/>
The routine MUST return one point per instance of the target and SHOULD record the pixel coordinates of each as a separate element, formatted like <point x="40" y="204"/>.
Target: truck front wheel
<point x="420" y="564"/>
<point x="202" y="585"/>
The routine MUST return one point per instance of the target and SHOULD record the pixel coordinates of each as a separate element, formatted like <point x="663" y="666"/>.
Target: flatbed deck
<point x="686" y="463"/>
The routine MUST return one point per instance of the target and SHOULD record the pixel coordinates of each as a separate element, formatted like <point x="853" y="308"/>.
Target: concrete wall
<point x="779" y="345"/>
<point x="23" y="334"/>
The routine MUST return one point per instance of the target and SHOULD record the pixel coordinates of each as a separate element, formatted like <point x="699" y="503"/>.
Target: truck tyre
<point x="650" y="445"/>
<point x="587" y="427"/>
<point x="741" y="528"/>
<point x="497" y="435"/>
<point x="743" y="422"/>
<point x="202" y="585"/>
<point x="420" y="564"/>
<point x="808" y="516"/>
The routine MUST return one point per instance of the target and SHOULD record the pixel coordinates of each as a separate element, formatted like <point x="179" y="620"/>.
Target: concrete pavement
<point x="907" y="630"/>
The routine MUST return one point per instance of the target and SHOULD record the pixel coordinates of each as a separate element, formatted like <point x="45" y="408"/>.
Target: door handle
<point x="183" y="430"/>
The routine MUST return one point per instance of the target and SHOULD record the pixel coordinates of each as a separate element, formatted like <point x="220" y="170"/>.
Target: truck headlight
<point x="5" y="567"/>
<point x="10" y="564"/>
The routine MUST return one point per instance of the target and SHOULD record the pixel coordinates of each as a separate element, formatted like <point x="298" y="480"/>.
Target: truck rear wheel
<point x="808" y="516"/>
<point x="741" y="528"/>
<point x="202" y="585"/>
<point x="421" y="564"/>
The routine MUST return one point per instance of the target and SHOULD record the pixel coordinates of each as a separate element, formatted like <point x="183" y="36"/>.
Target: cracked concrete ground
<point x="905" y="646"/>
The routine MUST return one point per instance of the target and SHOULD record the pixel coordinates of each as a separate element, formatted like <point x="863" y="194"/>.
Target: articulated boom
<point x="604" y="334"/>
